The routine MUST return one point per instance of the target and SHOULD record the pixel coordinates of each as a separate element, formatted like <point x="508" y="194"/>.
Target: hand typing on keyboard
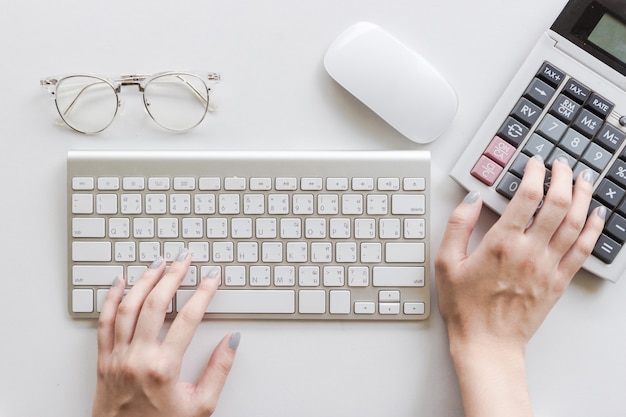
<point x="495" y="299"/>
<point x="138" y="374"/>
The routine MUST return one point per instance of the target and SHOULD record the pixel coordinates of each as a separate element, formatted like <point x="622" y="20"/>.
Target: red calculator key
<point x="500" y="151"/>
<point x="486" y="170"/>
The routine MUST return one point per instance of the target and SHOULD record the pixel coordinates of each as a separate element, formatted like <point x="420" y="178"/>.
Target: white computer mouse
<point x="394" y="81"/>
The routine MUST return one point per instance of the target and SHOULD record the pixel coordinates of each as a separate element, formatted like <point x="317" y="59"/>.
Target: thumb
<point x="460" y="226"/>
<point x="214" y="376"/>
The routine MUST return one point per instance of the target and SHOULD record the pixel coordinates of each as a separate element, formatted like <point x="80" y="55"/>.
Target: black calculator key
<point x="526" y="112"/>
<point x="609" y="193"/>
<point x="508" y="185"/>
<point x="513" y="131"/>
<point x="599" y="105"/>
<point x="616" y="227"/>
<point x="576" y="90"/>
<point x="565" y="108"/>
<point x="606" y="249"/>
<point x="617" y="173"/>
<point x="610" y="137"/>
<point x="539" y="92"/>
<point x="551" y="74"/>
<point x="519" y="165"/>
<point x="587" y="123"/>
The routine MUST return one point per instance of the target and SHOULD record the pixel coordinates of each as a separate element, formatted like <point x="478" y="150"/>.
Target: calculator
<point x="568" y="100"/>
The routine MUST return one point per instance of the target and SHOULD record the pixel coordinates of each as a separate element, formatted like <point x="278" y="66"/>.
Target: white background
<point x="275" y="94"/>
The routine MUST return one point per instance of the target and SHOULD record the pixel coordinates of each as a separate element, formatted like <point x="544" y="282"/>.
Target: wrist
<point x="492" y="377"/>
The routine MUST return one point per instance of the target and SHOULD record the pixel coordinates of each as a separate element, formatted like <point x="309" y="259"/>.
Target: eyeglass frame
<point x="141" y="81"/>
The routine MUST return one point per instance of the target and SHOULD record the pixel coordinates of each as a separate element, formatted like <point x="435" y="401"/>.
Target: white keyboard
<point x="340" y="235"/>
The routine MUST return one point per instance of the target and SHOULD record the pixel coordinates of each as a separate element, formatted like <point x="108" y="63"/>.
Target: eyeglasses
<point x="176" y="101"/>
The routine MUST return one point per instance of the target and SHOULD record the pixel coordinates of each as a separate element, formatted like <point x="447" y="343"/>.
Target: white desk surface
<point x="274" y="94"/>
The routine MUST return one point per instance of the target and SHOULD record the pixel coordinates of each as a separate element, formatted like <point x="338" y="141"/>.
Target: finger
<point x="582" y="247"/>
<point x="129" y="308"/>
<point x="459" y="228"/>
<point x="184" y="326"/>
<point x="213" y="378"/>
<point x="571" y="226"/>
<point x="556" y="204"/>
<point x="152" y="314"/>
<point x="106" y="321"/>
<point x="523" y="205"/>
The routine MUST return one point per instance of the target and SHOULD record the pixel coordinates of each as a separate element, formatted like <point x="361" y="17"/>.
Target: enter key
<point x="404" y="252"/>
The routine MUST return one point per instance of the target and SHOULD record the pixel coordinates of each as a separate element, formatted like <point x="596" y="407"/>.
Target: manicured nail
<point x="182" y="255"/>
<point x="116" y="281"/>
<point x="156" y="263"/>
<point x="588" y="175"/>
<point x="213" y="272"/>
<point x="538" y="158"/>
<point x="235" y="338"/>
<point x="471" y="197"/>
<point x="563" y="160"/>
<point x="602" y="212"/>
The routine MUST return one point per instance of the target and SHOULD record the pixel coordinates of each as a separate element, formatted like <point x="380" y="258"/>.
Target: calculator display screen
<point x="610" y="35"/>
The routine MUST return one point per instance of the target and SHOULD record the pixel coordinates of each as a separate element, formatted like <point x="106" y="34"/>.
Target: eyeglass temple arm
<point x="50" y="82"/>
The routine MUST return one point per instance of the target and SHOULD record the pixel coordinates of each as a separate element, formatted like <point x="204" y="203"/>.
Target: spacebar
<point x="246" y="301"/>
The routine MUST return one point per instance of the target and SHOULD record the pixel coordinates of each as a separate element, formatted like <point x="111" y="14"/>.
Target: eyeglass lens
<point x="87" y="104"/>
<point x="176" y="101"/>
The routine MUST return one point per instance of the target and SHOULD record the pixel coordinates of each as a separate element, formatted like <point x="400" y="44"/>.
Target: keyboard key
<point x="245" y="301"/>
<point x="606" y="249"/>
<point x="91" y="251"/>
<point x="404" y="252"/>
<point x="312" y="301"/>
<point x="96" y="274"/>
<point x="398" y="276"/>
<point x="82" y="183"/>
<point x="539" y="92"/>
<point x="82" y="301"/>
<point x="88" y="227"/>
<point x="408" y="204"/>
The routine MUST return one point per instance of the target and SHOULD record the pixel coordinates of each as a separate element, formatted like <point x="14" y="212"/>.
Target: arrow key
<point x="539" y="92"/>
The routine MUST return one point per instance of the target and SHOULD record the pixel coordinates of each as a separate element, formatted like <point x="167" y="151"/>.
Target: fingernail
<point x="116" y="281"/>
<point x="602" y="212"/>
<point x="235" y="338"/>
<point x="538" y="158"/>
<point x="471" y="197"/>
<point x="213" y="272"/>
<point x="182" y="255"/>
<point x="588" y="175"/>
<point x="156" y="263"/>
<point x="563" y="160"/>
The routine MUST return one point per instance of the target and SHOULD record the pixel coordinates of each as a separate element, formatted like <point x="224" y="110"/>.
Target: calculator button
<point x="539" y="92"/>
<point x="574" y="143"/>
<point x="606" y="249"/>
<point x="576" y="90"/>
<point x="610" y="137"/>
<point x="513" y="131"/>
<point x="599" y="105"/>
<point x="486" y="170"/>
<point x="596" y="157"/>
<point x="500" y="151"/>
<point x="618" y="173"/>
<point x="551" y="74"/>
<point x="537" y="145"/>
<point x="616" y="227"/>
<point x="609" y="193"/>
<point x="551" y="128"/>
<point x="587" y="123"/>
<point x="565" y="108"/>
<point x="508" y="185"/>
<point x="526" y="112"/>
<point x="519" y="164"/>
